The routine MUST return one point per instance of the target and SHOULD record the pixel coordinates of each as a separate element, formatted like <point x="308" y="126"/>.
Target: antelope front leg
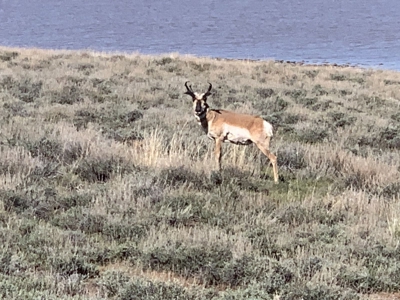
<point x="274" y="162"/>
<point x="217" y="153"/>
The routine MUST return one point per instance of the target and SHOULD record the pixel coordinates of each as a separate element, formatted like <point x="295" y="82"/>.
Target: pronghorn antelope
<point x="226" y="126"/>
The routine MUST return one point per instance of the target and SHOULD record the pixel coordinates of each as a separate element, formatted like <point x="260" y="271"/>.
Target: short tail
<point x="268" y="129"/>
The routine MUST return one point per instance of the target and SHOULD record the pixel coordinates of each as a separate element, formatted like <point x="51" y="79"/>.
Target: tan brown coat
<point x="227" y="126"/>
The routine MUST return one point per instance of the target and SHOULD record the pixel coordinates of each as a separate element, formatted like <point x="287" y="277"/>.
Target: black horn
<point x="189" y="90"/>
<point x="208" y="93"/>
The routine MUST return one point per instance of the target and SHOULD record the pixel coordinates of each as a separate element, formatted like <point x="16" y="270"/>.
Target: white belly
<point x="236" y="135"/>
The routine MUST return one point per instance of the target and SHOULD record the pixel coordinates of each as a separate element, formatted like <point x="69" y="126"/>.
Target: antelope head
<point x="200" y="105"/>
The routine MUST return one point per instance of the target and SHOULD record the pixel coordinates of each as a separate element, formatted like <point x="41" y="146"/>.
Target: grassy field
<point x="106" y="189"/>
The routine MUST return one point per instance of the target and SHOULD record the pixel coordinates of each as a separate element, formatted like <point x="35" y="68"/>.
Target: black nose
<point x="198" y="107"/>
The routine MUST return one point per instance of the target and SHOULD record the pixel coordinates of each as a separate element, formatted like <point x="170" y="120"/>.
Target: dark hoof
<point x="216" y="178"/>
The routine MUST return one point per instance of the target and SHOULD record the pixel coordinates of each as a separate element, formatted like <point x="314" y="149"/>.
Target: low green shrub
<point x="14" y="201"/>
<point x="312" y="135"/>
<point x="292" y="157"/>
<point x="318" y="90"/>
<point x="296" y="94"/>
<point x="265" y="92"/>
<point x="176" y="176"/>
<point x="101" y="169"/>
<point x="68" y="95"/>
<point x="318" y="292"/>
<point x="115" y="122"/>
<point x="8" y="55"/>
<point x="365" y="282"/>
<point x="16" y="108"/>
<point x="271" y="106"/>
<point x="26" y="90"/>
<point x="45" y="147"/>
<point x="307" y="102"/>
<point x="295" y="214"/>
<point x="205" y="263"/>
<point x="67" y="266"/>
<point x="124" y="231"/>
<point x="186" y="210"/>
<point x="76" y="219"/>
<point x="340" y="119"/>
<point x="148" y="290"/>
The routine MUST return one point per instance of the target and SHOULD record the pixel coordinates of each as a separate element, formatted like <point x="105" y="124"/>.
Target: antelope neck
<point x="202" y="115"/>
<point x="202" y="119"/>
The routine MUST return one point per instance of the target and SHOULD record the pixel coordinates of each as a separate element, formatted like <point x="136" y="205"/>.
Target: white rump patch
<point x="268" y="129"/>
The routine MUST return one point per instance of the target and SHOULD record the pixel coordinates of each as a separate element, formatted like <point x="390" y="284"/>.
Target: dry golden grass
<point x="106" y="180"/>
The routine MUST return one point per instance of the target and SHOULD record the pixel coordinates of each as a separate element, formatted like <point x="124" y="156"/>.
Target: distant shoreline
<point x="300" y="63"/>
<point x="380" y="66"/>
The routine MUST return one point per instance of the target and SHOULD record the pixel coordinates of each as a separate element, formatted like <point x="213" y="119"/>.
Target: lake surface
<point x="358" y="32"/>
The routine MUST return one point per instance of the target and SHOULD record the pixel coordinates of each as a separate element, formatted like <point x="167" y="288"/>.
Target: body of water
<point x="356" y="32"/>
